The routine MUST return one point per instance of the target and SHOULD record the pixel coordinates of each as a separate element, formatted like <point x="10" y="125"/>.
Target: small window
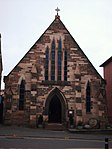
<point x="65" y="65"/>
<point x="21" y="95"/>
<point x="88" y="97"/>
<point x="47" y="63"/>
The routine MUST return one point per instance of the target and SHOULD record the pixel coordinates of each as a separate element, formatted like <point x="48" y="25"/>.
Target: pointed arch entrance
<point x="55" y="110"/>
<point x="55" y="107"/>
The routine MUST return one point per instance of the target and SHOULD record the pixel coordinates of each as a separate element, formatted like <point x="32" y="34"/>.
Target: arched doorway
<point x="55" y="110"/>
<point x="55" y="107"/>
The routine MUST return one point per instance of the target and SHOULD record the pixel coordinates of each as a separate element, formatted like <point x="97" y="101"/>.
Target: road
<point x="13" y="142"/>
<point x="13" y="137"/>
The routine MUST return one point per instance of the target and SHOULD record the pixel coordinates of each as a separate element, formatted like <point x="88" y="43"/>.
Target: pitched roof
<point x="106" y="62"/>
<point x="57" y="25"/>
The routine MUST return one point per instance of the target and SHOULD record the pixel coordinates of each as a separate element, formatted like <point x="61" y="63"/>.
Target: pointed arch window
<point x="88" y="97"/>
<point x="59" y="59"/>
<point x="22" y="95"/>
<point x="46" y="63"/>
<point x="65" y="65"/>
<point x="56" y="62"/>
<point x="53" y="60"/>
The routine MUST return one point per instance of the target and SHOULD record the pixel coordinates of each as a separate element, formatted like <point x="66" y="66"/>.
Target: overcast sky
<point x="22" y="22"/>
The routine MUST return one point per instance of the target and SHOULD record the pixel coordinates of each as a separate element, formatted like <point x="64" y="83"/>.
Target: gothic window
<point x="88" y="97"/>
<point x="47" y="63"/>
<point x="53" y="60"/>
<point x="65" y="65"/>
<point x="21" y="95"/>
<point x="59" y="59"/>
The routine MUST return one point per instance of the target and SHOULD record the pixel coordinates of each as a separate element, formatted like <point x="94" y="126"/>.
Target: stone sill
<point x="61" y="83"/>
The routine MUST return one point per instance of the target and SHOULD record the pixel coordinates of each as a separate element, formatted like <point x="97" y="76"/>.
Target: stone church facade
<point x="55" y="83"/>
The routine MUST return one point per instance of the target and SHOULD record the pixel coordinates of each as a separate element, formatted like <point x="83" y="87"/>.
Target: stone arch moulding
<point x="21" y="78"/>
<point x="62" y="99"/>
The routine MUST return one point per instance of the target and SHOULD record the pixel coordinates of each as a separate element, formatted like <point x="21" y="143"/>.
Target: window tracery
<point x="55" y="60"/>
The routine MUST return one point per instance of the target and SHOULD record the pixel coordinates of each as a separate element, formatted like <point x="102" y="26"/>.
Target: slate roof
<point x="106" y="62"/>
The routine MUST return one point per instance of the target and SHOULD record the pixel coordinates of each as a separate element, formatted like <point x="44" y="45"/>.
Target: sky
<point x="22" y="22"/>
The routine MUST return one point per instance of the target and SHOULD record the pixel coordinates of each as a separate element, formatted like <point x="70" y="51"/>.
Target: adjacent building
<point x="107" y="65"/>
<point x="1" y="95"/>
<point x="1" y="66"/>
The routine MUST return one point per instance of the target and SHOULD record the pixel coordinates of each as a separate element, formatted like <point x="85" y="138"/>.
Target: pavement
<point x="22" y="132"/>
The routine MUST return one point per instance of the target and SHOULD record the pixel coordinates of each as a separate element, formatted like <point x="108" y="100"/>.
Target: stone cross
<point x="57" y="9"/>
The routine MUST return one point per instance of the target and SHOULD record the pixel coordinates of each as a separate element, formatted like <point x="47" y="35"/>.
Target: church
<point x="55" y="84"/>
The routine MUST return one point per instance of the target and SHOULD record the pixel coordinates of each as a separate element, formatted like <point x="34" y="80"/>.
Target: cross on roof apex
<point x="57" y="9"/>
